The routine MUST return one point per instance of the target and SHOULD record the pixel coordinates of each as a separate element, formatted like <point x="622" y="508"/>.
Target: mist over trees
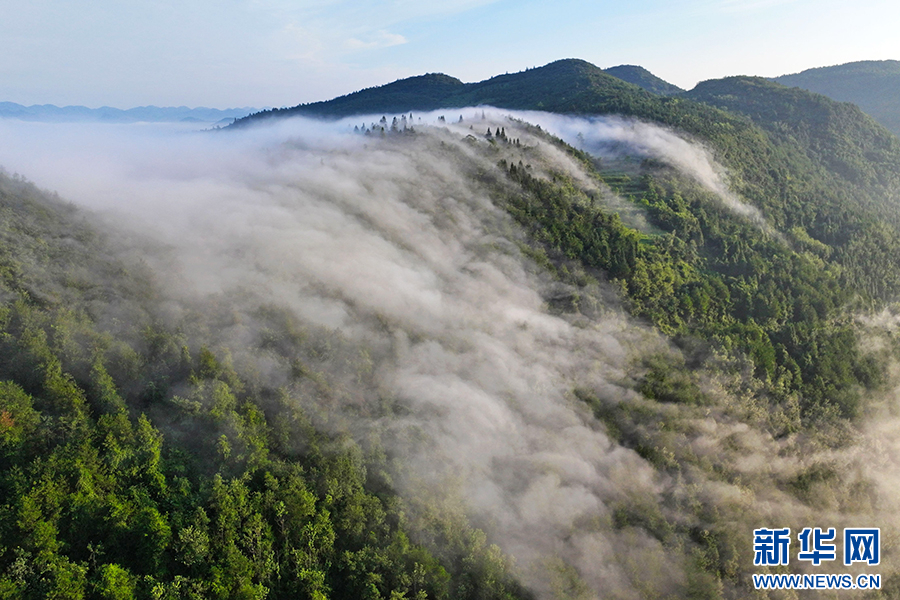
<point x="475" y="353"/>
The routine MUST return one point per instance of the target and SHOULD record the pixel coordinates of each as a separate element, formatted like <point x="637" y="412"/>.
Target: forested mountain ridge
<point x="872" y="85"/>
<point x="836" y="134"/>
<point x="565" y="86"/>
<point x="804" y="160"/>
<point x="834" y="172"/>
<point x="425" y="92"/>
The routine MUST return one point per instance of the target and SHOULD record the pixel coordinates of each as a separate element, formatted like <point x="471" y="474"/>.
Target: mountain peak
<point x="570" y="64"/>
<point x="641" y="77"/>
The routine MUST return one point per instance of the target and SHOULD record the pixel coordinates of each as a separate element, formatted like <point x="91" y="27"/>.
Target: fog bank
<point x="394" y="245"/>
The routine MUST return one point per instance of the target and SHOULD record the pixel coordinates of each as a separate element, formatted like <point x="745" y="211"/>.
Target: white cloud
<point x="377" y="39"/>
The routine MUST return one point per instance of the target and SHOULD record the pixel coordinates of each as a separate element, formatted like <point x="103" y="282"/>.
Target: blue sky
<point x="228" y="53"/>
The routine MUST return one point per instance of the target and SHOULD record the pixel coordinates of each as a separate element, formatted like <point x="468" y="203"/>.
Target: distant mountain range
<point x="51" y="113"/>
<point x="873" y="85"/>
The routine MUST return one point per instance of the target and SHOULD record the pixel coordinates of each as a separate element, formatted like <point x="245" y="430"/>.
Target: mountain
<point x="51" y="113"/>
<point x="824" y="149"/>
<point x="836" y="134"/>
<point x="349" y="364"/>
<point x="835" y="172"/>
<point x="872" y="85"/>
<point x="819" y="171"/>
<point x="643" y="78"/>
<point x="425" y="92"/>
<point x="565" y="86"/>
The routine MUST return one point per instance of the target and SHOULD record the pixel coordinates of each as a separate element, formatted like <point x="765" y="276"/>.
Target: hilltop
<point x="643" y="78"/>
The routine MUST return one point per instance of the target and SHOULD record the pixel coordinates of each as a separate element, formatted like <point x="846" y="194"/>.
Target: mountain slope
<point x="137" y="461"/>
<point x="443" y="343"/>
<point x="833" y="172"/>
<point x="424" y="92"/>
<point x="838" y="135"/>
<point x="872" y="85"/>
<point x="564" y="86"/>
